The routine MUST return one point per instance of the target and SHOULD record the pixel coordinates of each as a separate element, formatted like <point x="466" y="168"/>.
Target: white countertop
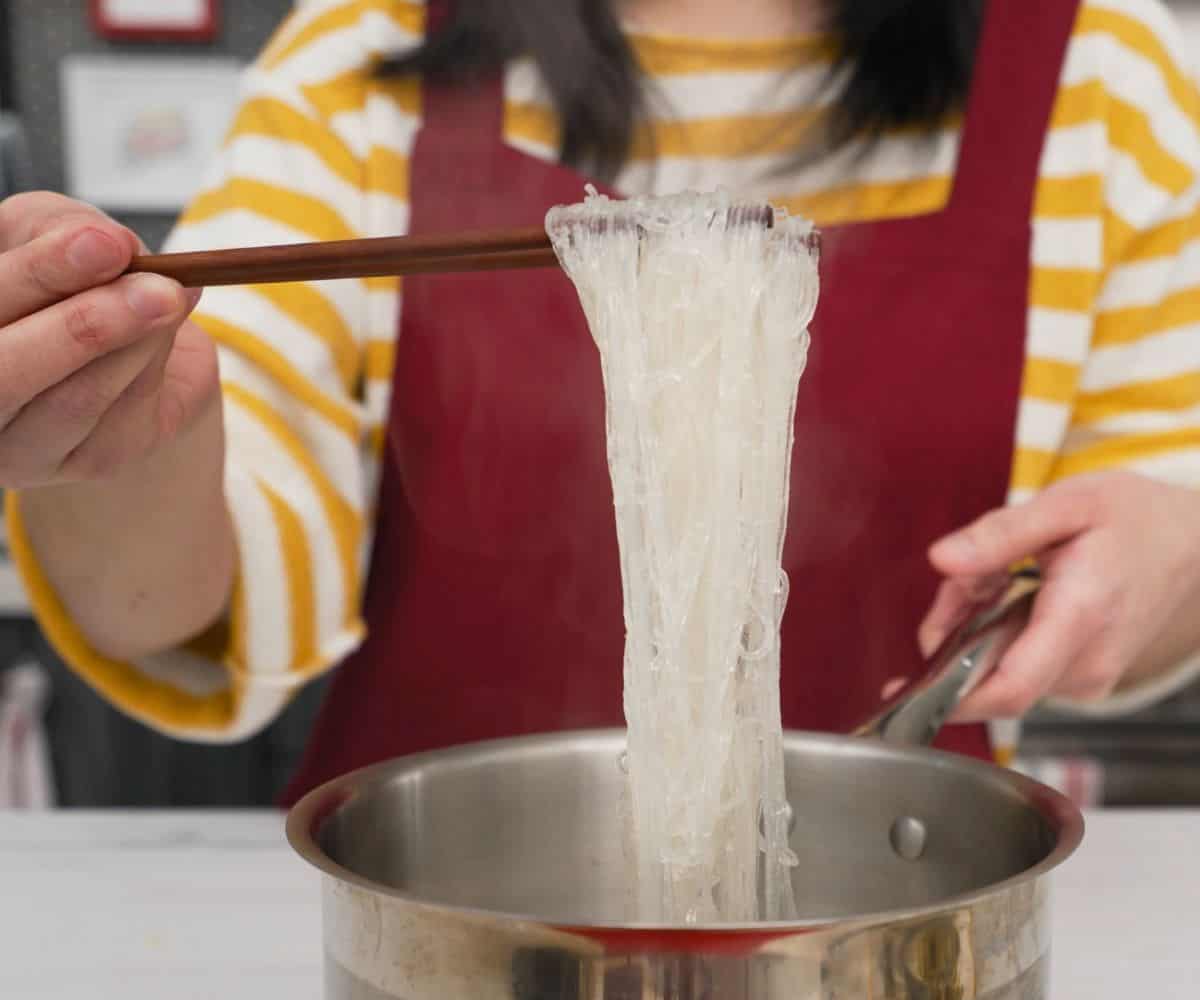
<point x="184" y="906"/>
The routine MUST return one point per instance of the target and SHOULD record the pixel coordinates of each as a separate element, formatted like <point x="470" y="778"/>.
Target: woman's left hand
<point x="1120" y="602"/>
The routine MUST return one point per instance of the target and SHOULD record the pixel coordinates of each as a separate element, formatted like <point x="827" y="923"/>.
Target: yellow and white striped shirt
<point x="319" y="151"/>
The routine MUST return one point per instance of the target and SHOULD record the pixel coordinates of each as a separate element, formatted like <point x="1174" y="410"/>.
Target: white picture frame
<point x="141" y="132"/>
<point x="155" y="14"/>
<point x="156" y="20"/>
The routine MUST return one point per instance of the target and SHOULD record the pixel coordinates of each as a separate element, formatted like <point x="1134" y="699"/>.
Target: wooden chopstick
<point x="369" y="258"/>
<point x="485" y="250"/>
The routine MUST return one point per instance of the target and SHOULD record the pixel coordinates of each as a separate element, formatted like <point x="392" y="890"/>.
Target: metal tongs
<point x="914" y="716"/>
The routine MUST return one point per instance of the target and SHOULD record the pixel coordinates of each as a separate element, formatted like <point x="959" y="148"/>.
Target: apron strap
<point x="471" y="112"/>
<point x="437" y="16"/>
<point x="1021" y="53"/>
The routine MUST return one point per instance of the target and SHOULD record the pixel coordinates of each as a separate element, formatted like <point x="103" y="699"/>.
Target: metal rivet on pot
<point x="908" y="838"/>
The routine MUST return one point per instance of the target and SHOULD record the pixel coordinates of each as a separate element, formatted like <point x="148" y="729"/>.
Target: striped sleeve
<point x="1112" y="376"/>
<point x="301" y="417"/>
<point x="1134" y="400"/>
<point x="302" y="411"/>
<point x="1138" y="400"/>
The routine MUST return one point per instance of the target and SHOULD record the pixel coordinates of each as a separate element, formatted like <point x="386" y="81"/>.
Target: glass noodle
<point x="700" y="311"/>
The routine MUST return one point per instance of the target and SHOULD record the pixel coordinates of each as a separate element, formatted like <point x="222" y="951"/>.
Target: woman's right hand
<point x="97" y="370"/>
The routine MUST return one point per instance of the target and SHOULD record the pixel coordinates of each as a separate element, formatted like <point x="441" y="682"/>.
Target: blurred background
<point x="158" y="111"/>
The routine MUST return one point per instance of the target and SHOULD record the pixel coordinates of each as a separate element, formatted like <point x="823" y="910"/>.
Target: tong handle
<point x="957" y="667"/>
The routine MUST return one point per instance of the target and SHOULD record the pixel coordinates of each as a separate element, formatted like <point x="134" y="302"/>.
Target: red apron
<point x="494" y="598"/>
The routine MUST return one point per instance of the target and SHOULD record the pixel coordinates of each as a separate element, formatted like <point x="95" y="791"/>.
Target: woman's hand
<point x="111" y="424"/>
<point x="1120" y="603"/>
<point x="97" y="371"/>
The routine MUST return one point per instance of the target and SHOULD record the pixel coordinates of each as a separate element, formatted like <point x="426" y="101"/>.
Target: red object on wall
<point x="123" y="20"/>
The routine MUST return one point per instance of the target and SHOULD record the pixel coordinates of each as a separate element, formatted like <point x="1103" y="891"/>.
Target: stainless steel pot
<point x="498" y="870"/>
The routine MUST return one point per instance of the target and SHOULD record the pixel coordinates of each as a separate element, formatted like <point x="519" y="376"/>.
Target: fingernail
<point x="92" y="252"/>
<point x="151" y="297"/>
<point x="957" y="547"/>
<point x="929" y="638"/>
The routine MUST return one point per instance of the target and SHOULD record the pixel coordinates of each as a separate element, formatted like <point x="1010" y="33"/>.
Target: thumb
<point x="1002" y="538"/>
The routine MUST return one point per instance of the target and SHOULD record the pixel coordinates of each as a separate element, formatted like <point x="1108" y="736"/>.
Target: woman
<point x="1004" y="388"/>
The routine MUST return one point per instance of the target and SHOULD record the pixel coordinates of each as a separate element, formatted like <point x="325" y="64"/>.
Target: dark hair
<point x="907" y="63"/>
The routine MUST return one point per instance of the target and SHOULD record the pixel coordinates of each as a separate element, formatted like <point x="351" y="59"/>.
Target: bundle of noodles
<point x="700" y="306"/>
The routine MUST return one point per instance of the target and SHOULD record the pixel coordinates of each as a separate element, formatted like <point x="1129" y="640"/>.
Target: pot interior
<point x="535" y="827"/>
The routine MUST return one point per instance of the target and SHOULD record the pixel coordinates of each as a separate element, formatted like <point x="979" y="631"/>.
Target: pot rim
<point x="309" y="814"/>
